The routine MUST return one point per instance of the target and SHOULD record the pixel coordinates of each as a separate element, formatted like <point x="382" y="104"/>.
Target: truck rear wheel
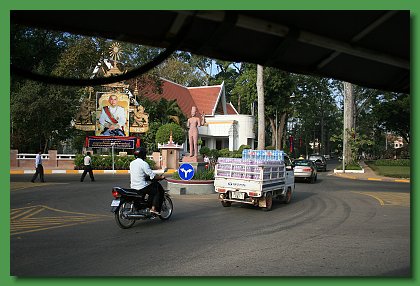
<point x="226" y="204"/>
<point x="268" y="202"/>
<point x="288" y="196"/>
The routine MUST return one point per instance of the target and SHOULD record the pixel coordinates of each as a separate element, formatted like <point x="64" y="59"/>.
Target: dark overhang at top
<point x="367" y="48"/>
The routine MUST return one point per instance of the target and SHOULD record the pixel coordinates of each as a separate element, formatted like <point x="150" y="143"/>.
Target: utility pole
<point x="348" y="121"/>
<point x="261" y="114"/>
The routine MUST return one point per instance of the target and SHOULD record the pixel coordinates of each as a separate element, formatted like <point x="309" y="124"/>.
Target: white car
<point x="306" y="170"/>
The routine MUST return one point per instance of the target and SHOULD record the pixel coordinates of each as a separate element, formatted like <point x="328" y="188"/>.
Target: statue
<point x="84" y="116"/>
<point x="193" y="124"/>
<point x="140" y="117"/>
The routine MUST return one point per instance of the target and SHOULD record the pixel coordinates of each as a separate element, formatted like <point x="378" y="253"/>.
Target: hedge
<point x="105" y="162"/>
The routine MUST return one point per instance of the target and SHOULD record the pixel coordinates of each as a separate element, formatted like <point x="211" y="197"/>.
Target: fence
<point x="52" y="160"/>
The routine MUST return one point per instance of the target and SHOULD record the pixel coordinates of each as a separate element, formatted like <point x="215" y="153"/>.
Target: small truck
<point x="256" y="179"/>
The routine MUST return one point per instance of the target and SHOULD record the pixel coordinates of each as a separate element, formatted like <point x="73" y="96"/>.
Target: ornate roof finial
<point x="115" y="52"/>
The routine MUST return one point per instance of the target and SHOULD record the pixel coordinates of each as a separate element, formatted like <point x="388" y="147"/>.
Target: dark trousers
<point x="88" y="169"/>
<point x="156" y="193"/>
<point x="39" y="170"/>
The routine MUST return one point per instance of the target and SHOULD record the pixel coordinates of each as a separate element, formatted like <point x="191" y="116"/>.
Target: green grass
<point x="391" y="171"/>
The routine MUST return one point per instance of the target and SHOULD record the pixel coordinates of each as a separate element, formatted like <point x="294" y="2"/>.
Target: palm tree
<point x="168" y="110"/>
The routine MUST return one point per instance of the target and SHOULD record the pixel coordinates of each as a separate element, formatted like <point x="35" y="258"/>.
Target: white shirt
<point x="117" y="112"/>
<point x="86" y="160"/>
<point x="139" y="169"/>
<point x="38" y="160"/>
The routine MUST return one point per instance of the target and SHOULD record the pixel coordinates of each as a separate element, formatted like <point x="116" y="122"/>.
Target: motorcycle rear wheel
<point x="121" y="220"/>
<point x="167" y="208"/>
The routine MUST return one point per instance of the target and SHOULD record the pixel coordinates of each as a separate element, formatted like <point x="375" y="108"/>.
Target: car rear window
<point x="314" y="158"/>
<point x="302" y="163"/>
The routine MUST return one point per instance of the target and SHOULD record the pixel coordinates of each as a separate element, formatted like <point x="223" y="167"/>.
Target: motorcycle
<point x="129" y="206"/>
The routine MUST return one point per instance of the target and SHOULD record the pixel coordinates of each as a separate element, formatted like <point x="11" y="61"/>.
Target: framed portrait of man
<point x="112" y="118"/>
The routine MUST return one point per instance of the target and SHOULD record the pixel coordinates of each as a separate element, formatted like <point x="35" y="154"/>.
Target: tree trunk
<point x="273" y="131"/>
<point x="281" y="134"/>
<point x="261" y="117"/>
<point x="348" y="121"/>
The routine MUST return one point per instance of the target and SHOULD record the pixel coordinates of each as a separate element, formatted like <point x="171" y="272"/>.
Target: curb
<point x="372" y="178"/>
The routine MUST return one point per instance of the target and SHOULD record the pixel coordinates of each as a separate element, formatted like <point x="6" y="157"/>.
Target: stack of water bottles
<point x="263" y="156"/>
<point x="253" y="165"/>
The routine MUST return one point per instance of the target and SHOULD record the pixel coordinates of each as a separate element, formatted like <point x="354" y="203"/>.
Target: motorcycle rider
<point x="140" y="171"/>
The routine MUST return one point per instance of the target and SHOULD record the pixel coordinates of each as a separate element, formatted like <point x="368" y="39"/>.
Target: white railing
<point x="66" y="156"/>
<point x="28" y="156"/>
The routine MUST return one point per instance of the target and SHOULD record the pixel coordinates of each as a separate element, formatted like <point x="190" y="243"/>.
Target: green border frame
<point x="5" y="8"/>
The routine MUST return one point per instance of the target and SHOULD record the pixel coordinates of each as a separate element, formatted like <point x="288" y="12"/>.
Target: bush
<point x="242" y="147"/>
<point x="214" y="153"/>
<point x="205" y="151"/>
<point x="200" y="175"/>
<point x="105" y="162"/>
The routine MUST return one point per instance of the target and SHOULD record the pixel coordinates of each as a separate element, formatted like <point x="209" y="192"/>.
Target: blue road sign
<point x="186" y="172"/>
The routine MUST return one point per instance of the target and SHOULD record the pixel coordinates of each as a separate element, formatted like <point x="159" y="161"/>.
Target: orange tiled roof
<point x="205" y="98"/>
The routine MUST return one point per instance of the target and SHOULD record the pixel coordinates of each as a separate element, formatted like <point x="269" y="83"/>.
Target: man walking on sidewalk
<point x="87" y="161"/>
<point x="39" y="169"/>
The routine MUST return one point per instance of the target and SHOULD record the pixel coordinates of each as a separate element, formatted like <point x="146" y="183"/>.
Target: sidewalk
<point x="370" y="175"/>
<point x="54" y="171"/>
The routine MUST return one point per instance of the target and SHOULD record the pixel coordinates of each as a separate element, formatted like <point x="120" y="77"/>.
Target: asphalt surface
<point x="336" y="227"/>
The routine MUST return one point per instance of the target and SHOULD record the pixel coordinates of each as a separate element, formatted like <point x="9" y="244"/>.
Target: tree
<point x="393" y="114"/>
<point x="163" y="133"/>
<point x="261" y="115"/>
<point x="41" y="114"/>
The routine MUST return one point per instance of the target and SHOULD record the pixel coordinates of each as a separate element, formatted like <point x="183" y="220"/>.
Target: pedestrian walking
<point x="87" y="162"/>
<point x="39" y="169"/>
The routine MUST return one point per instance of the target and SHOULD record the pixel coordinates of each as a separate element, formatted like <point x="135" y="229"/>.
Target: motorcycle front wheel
<point x="167" y="208"/>
<point x="120" y="216"/>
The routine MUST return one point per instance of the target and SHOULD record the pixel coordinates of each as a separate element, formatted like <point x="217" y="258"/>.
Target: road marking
<point x="38" y="218"/>
<point x="16" y="186"/>
<point x="389" y="198"/>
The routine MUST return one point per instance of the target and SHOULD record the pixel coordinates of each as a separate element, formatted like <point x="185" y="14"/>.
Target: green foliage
<point x="390" y="171"/>
<point x="163" y="133"/>
<point x="225" y="153"/>
<point x="243" y="147"/>
<point x="356" y="142"/>
<point x="104" y="162"/>
<point x="200" y="175"/>
<point x="398" y="162"/>
<point x="214" y="153"/>
<point x="393" y="112"/>
<point x="205" y="151"/>
<point x="204" y="175"/>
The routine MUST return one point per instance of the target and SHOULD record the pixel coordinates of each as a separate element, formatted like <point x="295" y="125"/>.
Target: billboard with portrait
<point x="112" y="115"/>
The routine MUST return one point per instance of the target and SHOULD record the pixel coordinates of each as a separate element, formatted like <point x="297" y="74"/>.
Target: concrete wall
<point x="49" y="161"/>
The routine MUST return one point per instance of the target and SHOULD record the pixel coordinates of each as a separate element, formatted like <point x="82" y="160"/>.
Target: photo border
<point x="412" y="5"/>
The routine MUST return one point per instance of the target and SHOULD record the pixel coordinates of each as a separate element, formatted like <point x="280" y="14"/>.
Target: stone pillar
<point x="156" y="158"/>
<point x="52" y="162"/>
<point x="14" y="162"/>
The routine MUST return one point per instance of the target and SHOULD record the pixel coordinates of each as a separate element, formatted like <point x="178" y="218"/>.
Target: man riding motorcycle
<point x="143" y="180"/>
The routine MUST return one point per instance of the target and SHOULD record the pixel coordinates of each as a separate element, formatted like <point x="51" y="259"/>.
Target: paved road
<point x="336" y="227"/>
